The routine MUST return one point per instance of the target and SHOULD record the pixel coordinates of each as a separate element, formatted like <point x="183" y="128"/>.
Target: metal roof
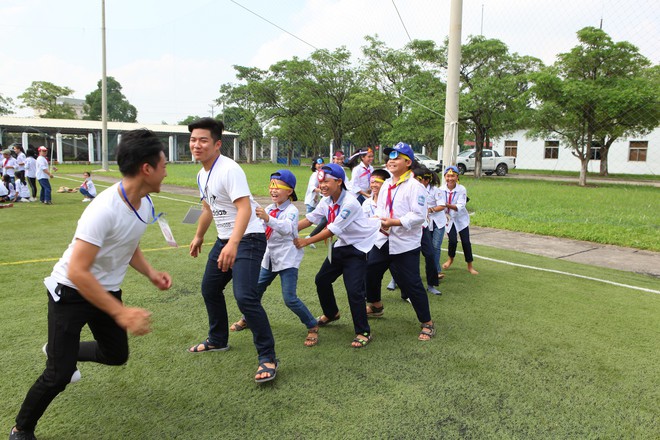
<point x="79" y="126"/>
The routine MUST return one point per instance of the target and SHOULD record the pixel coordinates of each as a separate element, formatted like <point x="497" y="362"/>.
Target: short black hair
<point x="138" y="147"/>
<point x="213" y="125"/>
<point x="316" y="160"/>
<point x="381" y="174"/>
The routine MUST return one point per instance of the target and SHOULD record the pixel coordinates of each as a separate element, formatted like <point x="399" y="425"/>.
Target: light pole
<point x="104" y="97"/>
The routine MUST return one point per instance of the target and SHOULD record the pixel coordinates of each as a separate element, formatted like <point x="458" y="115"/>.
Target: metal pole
<point x="450" y="150"/>
<point x="104" y="97"/>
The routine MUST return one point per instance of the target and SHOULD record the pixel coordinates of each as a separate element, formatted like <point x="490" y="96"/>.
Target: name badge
<point x="167" y="232"/>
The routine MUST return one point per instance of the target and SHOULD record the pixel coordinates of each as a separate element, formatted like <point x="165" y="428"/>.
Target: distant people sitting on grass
<point x="22" y="191"/>
<point x="84" y="287"/>
<point x="11" y="189"/>
<point x="87" y="188"/>
<point x="458" y="219"/>
<point x="4" y="197"/>
<point x="282" y="257"/>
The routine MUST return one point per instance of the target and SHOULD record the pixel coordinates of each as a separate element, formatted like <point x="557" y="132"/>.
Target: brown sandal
<point x="312" y="338"/>
<point x="322" y="322"/>
<point x="239" y="325"/>
<point x="427" y="332"/>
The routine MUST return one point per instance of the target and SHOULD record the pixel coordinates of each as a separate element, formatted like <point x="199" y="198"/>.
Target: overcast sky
<point x="172" y="56"/>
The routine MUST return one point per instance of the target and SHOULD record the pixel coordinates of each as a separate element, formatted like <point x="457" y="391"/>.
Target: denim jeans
<point x="45" y="196"/>
<point x="431" y="248"/>
<point x="289" y="280"/>
<point x="66" y="318"/>
<point x="245" y="275"/>
<point x="85" y="193"/>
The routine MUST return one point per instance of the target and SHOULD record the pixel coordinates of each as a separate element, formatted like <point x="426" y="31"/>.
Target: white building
<point x="635" y="155"/>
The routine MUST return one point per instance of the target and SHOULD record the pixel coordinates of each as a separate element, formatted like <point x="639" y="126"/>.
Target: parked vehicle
<point x="429" y="163"/>
<point x="491" y="162"/>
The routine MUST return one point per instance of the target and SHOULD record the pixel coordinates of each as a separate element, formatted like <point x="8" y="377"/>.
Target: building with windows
<point x="634" y="155"/>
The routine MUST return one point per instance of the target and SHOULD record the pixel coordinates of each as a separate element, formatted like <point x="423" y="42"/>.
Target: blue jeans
<point x="85" y="193"/>
<point x="45" y="196"/>
<point x="289" y="279"/>
<point x="245" y="275"/>
<point x="431" y="248"/>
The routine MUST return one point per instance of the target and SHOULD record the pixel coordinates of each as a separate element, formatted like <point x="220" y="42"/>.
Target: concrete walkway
<point x="585" y="252"/>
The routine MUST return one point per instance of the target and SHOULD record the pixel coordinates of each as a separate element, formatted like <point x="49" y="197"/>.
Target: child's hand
<point x="300" y="243"/>
<point x="261" y="213"/>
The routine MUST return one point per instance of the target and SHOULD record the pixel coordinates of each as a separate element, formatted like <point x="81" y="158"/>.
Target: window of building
<point x="511" y="148"/>
<point x="551" y="149"/>
<point x="594" y="152"/>
<point x="637" y="151"/>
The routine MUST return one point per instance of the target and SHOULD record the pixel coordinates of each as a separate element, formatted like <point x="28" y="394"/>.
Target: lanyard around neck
<point x="207" y="180"/>
<point x="153" y="210"/>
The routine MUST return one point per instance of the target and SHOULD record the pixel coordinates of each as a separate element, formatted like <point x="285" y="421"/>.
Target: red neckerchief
<point x="269" y="230"/>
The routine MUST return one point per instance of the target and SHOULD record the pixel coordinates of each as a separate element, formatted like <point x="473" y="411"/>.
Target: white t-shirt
<point x="311" y="196"/>
<point x="409" y="200"/>
<point x="42" y="164"/>
<point x="227" y="183"/>
<point x="110" y="224"/>
<point x="360" y="178"/>
<point x="22" y="189"/>
<point x="89" y="186"/>
<point x="8" y="166"/>
<point x="281" y="253"/>
<point x="31" y="167"/>
<point x="3" y="190"/>
<point x="20" y="159"/>
<point x="351" y="226"/>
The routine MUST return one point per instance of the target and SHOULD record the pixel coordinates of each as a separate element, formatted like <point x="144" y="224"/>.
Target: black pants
<point x="465" y="243"/>
<point x="33" y="186"/>
<point x="66" y="318"/>
<point x="352" y="264"/>
<point x="405" y="270"/>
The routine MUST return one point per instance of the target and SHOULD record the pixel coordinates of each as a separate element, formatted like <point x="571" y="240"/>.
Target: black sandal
<point x="430" y="333"/>
<point x="323" y="322"/>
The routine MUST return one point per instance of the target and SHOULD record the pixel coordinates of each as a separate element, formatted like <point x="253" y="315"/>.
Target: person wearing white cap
<point x="43" y="177"/>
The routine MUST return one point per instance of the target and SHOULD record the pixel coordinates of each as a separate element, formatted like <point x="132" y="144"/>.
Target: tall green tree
<point x="42" y="97"/>
<point x="6" y="105"/>
<point x="598" y="92"/>
<point x="119" y="109"/>
<point x="494" y="86"/>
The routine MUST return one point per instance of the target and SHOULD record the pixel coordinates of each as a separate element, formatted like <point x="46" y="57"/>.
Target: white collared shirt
<point x="436" y="197"/>
<point x="360" y="178"/>
<point x="351" y="226"/>
<point x="281" y="253"/>
<point x="370" y="208"/>
<point x="458" y="197"/>
<point x="409" y="206"/>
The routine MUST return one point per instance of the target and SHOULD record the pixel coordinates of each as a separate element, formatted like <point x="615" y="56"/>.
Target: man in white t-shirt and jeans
<point x="238" y="250"/>
<point x="85" y="285"/>
<point x="43" y="176"/>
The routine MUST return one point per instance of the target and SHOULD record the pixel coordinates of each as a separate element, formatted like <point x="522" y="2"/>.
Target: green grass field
<point x="519" y="353"/>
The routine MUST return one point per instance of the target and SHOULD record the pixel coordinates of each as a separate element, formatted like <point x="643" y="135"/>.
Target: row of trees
<point x="42" y="96"/>
<point x="596" y="93"/>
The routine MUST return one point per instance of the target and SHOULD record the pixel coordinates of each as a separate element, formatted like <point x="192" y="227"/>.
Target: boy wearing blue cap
<point x="282" y="257"/>
<point x="404" y="207"/>
<point x="458" y="219"/>
<point x="347" y="256"/>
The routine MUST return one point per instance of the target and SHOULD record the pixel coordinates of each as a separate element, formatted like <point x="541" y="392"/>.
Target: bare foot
<point x="448" y="263"/>
<point x="472" y="270"/>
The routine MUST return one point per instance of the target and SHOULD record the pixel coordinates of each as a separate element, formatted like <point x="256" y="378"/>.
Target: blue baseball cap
<point x="401" y="148"/>
<point x="453" y="168"/>
<point x="287" y="177"/>
<point x="333" y="170"/>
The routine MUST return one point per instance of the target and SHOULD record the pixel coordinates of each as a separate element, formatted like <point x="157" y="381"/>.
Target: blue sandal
<point x="268" y="370"/>
<point x="206" y="346"/>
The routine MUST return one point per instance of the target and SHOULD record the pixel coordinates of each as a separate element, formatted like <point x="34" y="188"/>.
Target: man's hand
<point x="162" y="280"/>
<point x="196" y="246"/>
<point x="227" y="256"/>
<point x="134" y="320"/>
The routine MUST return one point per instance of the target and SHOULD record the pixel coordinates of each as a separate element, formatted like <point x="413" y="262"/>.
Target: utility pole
<point x="104" y="97"/>
<point x="450" y="150"/>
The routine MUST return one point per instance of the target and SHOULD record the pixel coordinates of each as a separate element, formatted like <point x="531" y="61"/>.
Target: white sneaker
<point x="392" y="285"/>
<point x="75" y="377"/>
<point x="433" y="290"/>
<point x="85" y="200"/>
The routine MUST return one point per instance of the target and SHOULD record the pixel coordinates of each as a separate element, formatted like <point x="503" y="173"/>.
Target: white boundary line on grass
<point x="560" y="272"/>
<point x="150" y="195"/>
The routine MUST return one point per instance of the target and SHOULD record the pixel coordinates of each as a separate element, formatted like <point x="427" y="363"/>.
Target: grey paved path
<point x="607" y="256"/>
